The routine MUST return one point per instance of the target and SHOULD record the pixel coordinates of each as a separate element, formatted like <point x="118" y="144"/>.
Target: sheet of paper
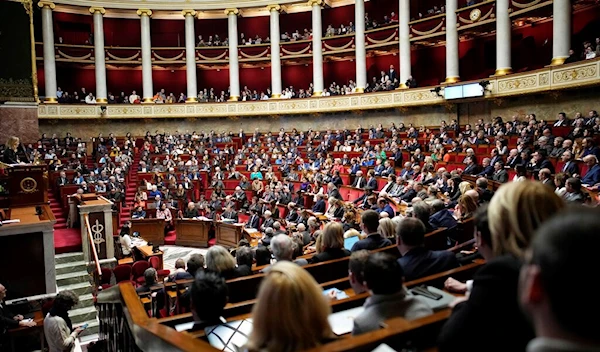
<point x="343" y="322"/>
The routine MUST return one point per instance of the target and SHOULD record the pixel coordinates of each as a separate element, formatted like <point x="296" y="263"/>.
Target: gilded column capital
<point x="146" y="12"/>
<point x="188" y="12"/>
<point x="274" y="7"/>
<point x="100" y="10"/>
<point x="315" y="3"/>
<point x="232" y="11"/>
<point x="48" y="4"/>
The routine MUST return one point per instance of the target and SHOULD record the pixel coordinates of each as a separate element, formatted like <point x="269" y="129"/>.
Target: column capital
<point x="232" y="11"/>
<point x="100" y="10"/>
<point x="274" y="7"/>
<point x="48" y="4"/>
<point x="315" y="3"/>
<point x="146" y="12"/>
<point x="188" y="12"/>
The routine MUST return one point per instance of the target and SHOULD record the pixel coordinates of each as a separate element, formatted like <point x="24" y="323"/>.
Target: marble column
<point x="49" y="55"/>
<point x="147" y="89"/>
<point x="361" y="51"/>
<point x="234" y="65"/>
<point x="99" y="60"/>
<point x="190" y="56"/>
<point x="275" y="52"/>
<point x="452" y="75"/>
<point x="503" y="38"/>
<point x="317" y="47"/>
<point x="561" y="31"/>
<point x="404" y="41"/>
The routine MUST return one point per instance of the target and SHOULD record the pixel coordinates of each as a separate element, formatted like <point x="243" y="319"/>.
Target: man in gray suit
<point x="389" y="298"/>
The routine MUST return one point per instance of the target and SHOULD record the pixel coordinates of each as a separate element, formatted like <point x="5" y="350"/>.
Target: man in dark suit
<point x="371" y="181"/>
<point x="471" y="168"/>
<point x="392" y="74"/>
<point x="539" y="162"/>
<point x="369" y="224"/>
<point x="416" y="260"/>
<point x="514" y="159"/>
<point x="592" y="177"/>
<point x="361" y="201"/>
<point x="62" y="179"/>
<point x="440" y="216"/>
<point x="546" y="178"/>
<point x="8" y="320"/>
<point x="485" y="195"/>
<point x="359" y="180"/>
<point x="333" y="191"/>
<point x="500" y="175"/>
<point x="487" y="168"/>
<point x="320" y="205"/>
<point x="570" y="167"/>
<point x="254" y="220"/>
<point x="229" y="214"/>
<point x="384" y="206"/>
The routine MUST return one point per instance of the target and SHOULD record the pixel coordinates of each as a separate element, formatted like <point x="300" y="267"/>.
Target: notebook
<point x="343" y="322"/>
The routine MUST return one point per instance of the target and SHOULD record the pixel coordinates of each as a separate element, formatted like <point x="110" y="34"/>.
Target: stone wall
<point x="545" y="106"/>
<point x="19" y="119"/>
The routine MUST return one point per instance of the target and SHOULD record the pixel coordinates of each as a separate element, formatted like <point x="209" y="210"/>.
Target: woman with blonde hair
<point x="503" y="231"/>
<point x="330" y="244"/>
<point x="387" y="228"/>
<point x="465" y="208"/>
<point x="219" y="260"/>
<point x="300" y="320"/>
<point x="10" y="153"/>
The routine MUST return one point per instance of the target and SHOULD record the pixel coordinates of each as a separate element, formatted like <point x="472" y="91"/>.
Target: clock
<point x="28" y="185"/>
<point x="475" y="15"/>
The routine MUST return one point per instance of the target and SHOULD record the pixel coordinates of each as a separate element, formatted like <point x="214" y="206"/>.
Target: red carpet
<point x="67" y="240"/>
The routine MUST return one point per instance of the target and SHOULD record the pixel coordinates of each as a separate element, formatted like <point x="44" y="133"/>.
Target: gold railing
<point x="580" y="74"/>
<point x="92" y="249"/>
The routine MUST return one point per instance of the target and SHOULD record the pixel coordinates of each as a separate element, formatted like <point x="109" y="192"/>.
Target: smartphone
<point x="84" y="326"/>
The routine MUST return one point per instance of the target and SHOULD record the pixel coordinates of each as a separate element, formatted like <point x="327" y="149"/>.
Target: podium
<point x="24" y="185"/>
<point x="228" y="235"/>
<point x="192" y="233"/>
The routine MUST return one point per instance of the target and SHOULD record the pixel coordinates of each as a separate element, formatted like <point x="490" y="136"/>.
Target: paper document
<point x="343" y="322"/>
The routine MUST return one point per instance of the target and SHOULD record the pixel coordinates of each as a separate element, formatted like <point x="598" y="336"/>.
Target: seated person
<point x="125" y="239"/>
<point x="283" y="250"/>
<point x="384" y="206"/>
<point x="180" y="273"/>
<point x="209" y="294"/>
<point x="356" y="269"/>
<point x="244" y="258"/>
<point x="138" y="213"/>
<point x="441" y="216"/>
<point x="151" y="285"/>
<point x="564" y="246"/>
<point x="320" y="205"/>
<point x="191" y="211"/>
<point x="418" y="261"/>
<point x="369" y="222"/>
<point x="229" y="214"/>
<point x="389" y="298"/>
<point x="332" y="244"/>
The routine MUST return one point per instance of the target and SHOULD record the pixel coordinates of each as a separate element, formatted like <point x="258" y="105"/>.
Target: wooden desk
<point x="152" y="230"/>
<point x="22" y="331"/>
<point x="146" y="252"/>
<point x="228" y="235"/>
<point x="192" y="233"/>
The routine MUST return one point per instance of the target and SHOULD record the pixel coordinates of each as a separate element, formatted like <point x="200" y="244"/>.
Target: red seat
<point x="106" y="277"/>
<point x="122" y="273"/>
<point x="137" y="271"/>
<point x="155" y="263"/>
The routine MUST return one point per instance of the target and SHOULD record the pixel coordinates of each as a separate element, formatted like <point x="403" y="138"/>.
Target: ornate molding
<point x="101" y="10"/>
<point x="315" y="3"/>
<point x="147" y="12"/>
<point x="45" y="3"/>
<point x="232" y="11"/>
<point x="188" y="12"/>
<point x="273" y="7"/>
<point x="550" y="78"/>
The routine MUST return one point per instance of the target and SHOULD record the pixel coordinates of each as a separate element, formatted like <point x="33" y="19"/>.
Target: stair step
<point x="86" y="300"/>
<point x="81" y="315"/>
<point x="70" y="267"/>
<point x="80" y="289"/>
<point x="68" y="257"/>
<point x="72" y="278"/>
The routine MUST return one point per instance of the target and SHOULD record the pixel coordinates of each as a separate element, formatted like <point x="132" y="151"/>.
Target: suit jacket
<point x="253" y="222"/>
<point x="408" y="196"/>
<point x="442" y="218"/>
<point x="485" y="195"/>
<point x="491" y="313"/>
<point x="359" y="182"/>
<point x="387" y="209"/>
<point x="500" y="176"/>
<point x="330" y="254"/>
<point x="471" y="169"/>
<point x="335" y="193"/>
<point x="232" y="215"/>
<point x="549" y="182"/>
<point x="379" y="308"/>
<point x="592" y="177"/>
<point x="7" y="321"/>
<point x="420" y="262"/>
<point x="514" y="162"/>
<point x="487" y="171"/>
<point x="570" y="168"/>
<point x="372" y="183"/>
<point x="373" y="241"/>
<point x="319" y="207"/>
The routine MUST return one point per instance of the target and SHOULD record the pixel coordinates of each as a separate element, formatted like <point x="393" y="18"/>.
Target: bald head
<point x="473" y="194"/>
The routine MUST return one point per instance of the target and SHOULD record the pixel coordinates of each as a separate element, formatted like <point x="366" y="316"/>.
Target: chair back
<point x="106" y="276"/>
<point x="138" y="268"/>
<point x="154" y="262"/>
<point x="122" y="273"/>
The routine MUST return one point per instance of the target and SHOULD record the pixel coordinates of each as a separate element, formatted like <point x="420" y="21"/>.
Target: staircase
<point x="130" y="190"/>
<point x="59" y="213"/>
<point x="72" y="274"/>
